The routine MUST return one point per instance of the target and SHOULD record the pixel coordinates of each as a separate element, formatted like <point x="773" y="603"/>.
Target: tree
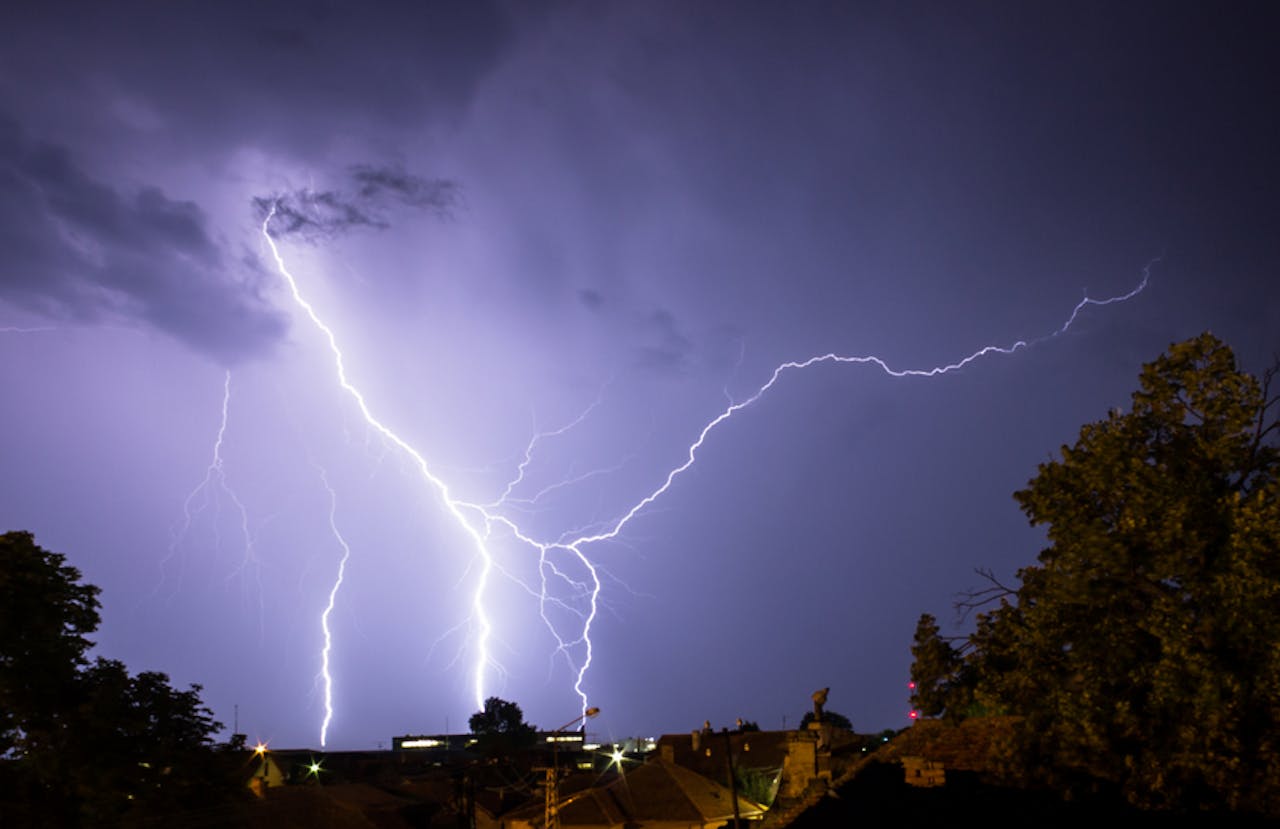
<point x="934" y="670"/>
<point x="141" y="746"/>
<point x="500" y="728"/>
<point x="832" y="718"/>
<point x="45" y="618"/>
<point x="89" y="744"/>
<point x="1140" y="650"/>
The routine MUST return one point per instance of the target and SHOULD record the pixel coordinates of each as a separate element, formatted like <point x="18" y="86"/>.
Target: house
<point x="795" y="761"/>
<point x="658" y="794"/>
<point x="266" y="774"/>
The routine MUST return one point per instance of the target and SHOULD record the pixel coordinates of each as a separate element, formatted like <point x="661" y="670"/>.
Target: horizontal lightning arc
<point x="733" y="408"/>
<point x="613" y="531"/>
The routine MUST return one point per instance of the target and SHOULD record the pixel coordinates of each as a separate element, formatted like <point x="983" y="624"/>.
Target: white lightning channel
<point x="215" y="480"/>
<point x="485" y="515"/>
<point x="575" y="545"/>
<point x="325" y="673"/>
<point x="458" y="509"/>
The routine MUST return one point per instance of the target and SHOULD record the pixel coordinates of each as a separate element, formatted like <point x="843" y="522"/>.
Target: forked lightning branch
<point x="478" y="521"/>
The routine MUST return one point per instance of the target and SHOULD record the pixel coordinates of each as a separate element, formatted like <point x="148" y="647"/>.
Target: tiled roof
<point x="968" y="746"/>
<point x="661" y="790"/>
<point x="751" y="749"/>
<point x="657" y="791"/>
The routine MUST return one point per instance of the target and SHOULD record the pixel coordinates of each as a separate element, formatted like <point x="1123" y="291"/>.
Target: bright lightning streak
<point x="485" y="515"/>
<point x="575" y="545"/>
<point x="533" y="443"/>
<point x="734" y="408"/>
<point x="215" y="480"/>
<point x="455" y="507"/>
<point x="324" y="617"/>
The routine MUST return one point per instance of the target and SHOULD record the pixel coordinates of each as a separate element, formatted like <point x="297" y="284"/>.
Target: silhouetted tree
<point x="500" y="727"/>
<point x="935" y="669"/>
<point x="45" y="618"/>
<point x="88" y="744"/>
<point x="1140" y="650"/>
<point x="833" y="718"/>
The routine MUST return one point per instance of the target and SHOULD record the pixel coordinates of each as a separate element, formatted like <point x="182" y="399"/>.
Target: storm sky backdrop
<point x="601" y="224"/>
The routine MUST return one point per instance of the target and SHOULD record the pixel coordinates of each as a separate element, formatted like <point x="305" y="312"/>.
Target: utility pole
<point x="552" y="809"/>
<point x="733" y="779"/>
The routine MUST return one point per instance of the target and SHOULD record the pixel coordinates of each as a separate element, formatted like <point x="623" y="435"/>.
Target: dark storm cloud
<point x="284" y="76"/>
<point x="322" y="214"/>
<point x="79" y="249"/>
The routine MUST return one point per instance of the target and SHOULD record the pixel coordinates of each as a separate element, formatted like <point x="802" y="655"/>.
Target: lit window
<point x="421" y="743"/>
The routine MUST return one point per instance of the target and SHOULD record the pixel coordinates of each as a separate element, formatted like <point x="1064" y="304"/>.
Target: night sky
<point x="553" y="243"/>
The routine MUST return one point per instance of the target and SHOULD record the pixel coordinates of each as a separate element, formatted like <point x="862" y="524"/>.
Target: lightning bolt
<point x="575" y="545"/>
<point x="478" y="520"/>
<point x="328" y="610"/>
<point x="215" y="482"/>
<point x="477" y="530"/>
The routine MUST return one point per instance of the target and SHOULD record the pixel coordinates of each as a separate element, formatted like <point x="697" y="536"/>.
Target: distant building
<point x="797" y="761"/>
<point x="267" y="774"/>
<point x="570" y="746"/>
<point x="433" y="743"/>
<point x="658" y="794"/>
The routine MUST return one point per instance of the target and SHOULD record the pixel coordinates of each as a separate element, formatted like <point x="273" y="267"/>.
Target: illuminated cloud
<point x="323" y="214"/>
<point x="81" y="250"/>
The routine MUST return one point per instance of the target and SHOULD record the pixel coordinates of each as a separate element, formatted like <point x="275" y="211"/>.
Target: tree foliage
<point x="936" y="664"/>
<point x="88" y="744"/>
<point x="46" y="616"/>
<point x="1141" y="649"/>
<point x="500" y="727"/>
<point x="832" y="718"/>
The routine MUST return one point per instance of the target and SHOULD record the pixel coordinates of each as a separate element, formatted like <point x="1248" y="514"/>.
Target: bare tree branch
<point x="972" y="600"/>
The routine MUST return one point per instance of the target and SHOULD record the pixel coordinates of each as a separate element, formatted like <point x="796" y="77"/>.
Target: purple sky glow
<point x="507" y="358"/>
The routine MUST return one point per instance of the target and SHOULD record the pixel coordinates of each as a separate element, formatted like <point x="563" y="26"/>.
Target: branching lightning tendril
<point x="325" y="673"/>
<point x="458" y="509"/>
<point x="213" y="483"/>
<point x="479" y="519"/>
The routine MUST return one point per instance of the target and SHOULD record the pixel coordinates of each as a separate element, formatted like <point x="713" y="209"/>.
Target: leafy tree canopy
<point x="46" y="616"/>
<point x="1140" y="649"/>
<point x="833" y="718"/>
<point x="500" y="727"/>
<point x="87" y="744"/>
<point x="499" y="717"/>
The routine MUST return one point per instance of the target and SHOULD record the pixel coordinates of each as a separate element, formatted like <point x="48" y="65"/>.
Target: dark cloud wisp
<point x="79" y="249"/>
<point x="315" y="215"/>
